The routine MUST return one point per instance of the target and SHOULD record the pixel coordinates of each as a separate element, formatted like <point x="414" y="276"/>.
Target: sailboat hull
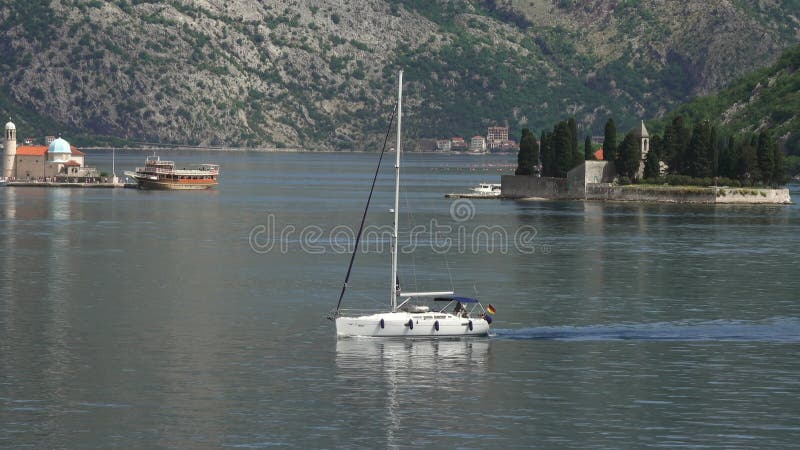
<point x="404" y="324"/>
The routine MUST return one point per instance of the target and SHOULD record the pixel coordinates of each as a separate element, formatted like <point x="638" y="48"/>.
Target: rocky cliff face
<point x="320" y="73"/>
<point x="708" y="42"/>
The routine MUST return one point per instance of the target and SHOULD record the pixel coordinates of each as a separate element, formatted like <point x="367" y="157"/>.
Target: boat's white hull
<point x="424" y="325"/>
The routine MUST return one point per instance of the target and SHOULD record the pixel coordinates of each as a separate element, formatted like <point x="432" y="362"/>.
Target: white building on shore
<point x="477" y="144"/>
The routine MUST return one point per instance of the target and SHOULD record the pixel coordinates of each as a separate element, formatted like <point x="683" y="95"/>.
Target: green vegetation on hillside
<point x="766" y="99"/>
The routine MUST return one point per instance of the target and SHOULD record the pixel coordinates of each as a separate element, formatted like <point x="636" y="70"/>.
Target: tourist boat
<point x="3" y="181"/>
<point x="158" y="174"/>
<point x="410" y="314"/>
<point x="487" y="189"/>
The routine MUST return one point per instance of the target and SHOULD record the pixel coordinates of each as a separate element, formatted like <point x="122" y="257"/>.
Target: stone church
<point x="56" y="161"/>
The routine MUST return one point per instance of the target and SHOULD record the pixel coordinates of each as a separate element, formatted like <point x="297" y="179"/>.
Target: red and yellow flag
<point x="490" y="309"/>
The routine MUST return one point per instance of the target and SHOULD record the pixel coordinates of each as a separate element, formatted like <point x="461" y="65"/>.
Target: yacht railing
<point x="360" y="311"/>
<point x="173" y="171"/>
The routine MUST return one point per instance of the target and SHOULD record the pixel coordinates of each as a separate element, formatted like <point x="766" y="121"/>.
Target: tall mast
<point x="394" y="287"/>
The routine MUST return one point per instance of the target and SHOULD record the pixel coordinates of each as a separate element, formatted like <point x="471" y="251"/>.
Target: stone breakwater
<point x="527" y="187"/>
<point x="688" y="194"/>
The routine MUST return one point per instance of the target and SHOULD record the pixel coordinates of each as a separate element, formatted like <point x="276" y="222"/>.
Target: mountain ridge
<point x="319" y="74"/>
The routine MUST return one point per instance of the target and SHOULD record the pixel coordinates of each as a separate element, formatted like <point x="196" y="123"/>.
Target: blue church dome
<point x="59" y="146"/>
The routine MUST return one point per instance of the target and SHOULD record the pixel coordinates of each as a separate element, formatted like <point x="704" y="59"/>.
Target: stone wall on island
<point x="687" y="194"/>
<point x="571" y="188"/>
<point x="753" y="195"/>
<point x="526" y="186"/>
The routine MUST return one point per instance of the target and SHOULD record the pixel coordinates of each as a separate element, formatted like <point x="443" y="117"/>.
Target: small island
<point x="55" y="164"/>
<point x="681" y="166"/>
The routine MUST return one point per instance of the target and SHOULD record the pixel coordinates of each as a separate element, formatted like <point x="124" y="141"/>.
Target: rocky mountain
<point x="320" y="73"/>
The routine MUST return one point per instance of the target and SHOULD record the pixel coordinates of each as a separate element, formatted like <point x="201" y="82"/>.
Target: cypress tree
<point x="528" y="157"/>
<point x="747" y="168"/>
<point x="684" y="134"/>
<point x="728" y="160"/>
<point x="610" y="141"/>
<point x="524" y="156"/>
<point x="588" y="155"/>
<point x="629" y="156"/>
<point x="668" y="148"/>
<point x="548" y="157"/>
<point x="676" y="140"/>
<point x="779" y="166"/>
<point x="652" y="168"/>
<point x="656" y="147"/>
<point x="765" y="155"/>
<point x="562" y="143"/>
<point x="575" y="157"/>
<point x="697" y="158"/>
<point x="714" y="156"/>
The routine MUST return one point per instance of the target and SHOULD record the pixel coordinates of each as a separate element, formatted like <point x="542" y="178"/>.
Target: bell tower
<point x="644" y="148"/>
<point x="9" y="150"/>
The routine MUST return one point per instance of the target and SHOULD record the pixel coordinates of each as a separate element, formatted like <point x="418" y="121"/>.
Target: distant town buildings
<point x="496" y="136"/>
<point x="496" y="139"/>
<point x="477" y="144"/>
<point x="458" y="144"/>
<point x="56" y="161"/>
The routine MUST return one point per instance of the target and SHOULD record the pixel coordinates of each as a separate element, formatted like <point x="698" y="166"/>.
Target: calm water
<point x="147" y="320"/>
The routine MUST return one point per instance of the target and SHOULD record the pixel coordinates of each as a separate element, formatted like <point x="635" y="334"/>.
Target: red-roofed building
<point x="58" y="160"/>
<point x="458" y="144"/>
<point x="31" y="150"/>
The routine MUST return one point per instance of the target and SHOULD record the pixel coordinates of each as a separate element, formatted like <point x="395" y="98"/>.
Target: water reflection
<point x="9" y="238"/>
<point x="59" y="278"/>
<point x="37" y="262"/>
<point x="403" y="385"/>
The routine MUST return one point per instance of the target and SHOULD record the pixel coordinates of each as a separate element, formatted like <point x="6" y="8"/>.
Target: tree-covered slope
<point x="320" y="73"/>
<point x="767" y="99"/>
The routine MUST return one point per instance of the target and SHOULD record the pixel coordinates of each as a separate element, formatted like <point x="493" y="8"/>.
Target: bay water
<point x="144" y="319"/>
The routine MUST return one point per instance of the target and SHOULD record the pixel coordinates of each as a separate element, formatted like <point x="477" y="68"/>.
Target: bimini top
<point x="59" y="146"/>
<point x="457" y="299"/>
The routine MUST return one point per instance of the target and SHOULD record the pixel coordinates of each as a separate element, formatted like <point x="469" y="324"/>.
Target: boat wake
<point x="782" y="329"/>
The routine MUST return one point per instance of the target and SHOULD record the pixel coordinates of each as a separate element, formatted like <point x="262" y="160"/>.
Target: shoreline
<point x="278" y="150"/>
<point x="578" y="187"/>
<point x="56" y="184"/>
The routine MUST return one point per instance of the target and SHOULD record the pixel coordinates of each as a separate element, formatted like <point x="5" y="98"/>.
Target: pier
<point x="57" y="184"/>
<point x="472" y="195"/>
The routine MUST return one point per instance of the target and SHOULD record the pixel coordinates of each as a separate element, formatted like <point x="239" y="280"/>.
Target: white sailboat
<point x="411" y="314"/>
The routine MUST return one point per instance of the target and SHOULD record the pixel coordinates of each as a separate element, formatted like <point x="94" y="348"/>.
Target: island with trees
<point x="690" y="163"/>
